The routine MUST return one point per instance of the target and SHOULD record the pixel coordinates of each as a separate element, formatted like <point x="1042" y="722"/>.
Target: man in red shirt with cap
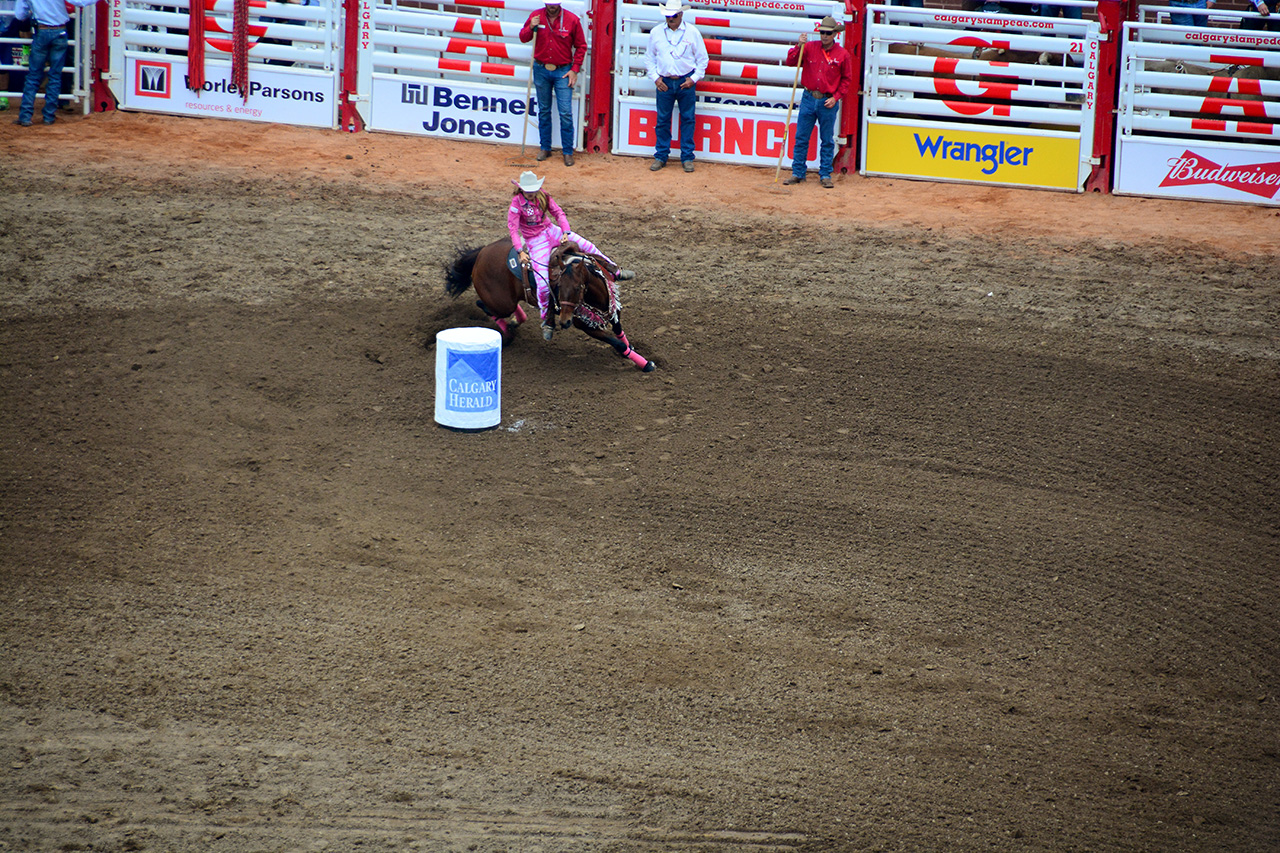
<point x="826" y="71"/>
<point x="559" y="46"/>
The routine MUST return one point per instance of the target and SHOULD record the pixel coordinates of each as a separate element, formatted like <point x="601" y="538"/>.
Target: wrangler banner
<point x="948" y="153"/>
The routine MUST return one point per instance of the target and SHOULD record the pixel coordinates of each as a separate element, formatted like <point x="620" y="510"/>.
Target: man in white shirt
<point x="676" y="60"/>
<point x="50" y="20"/>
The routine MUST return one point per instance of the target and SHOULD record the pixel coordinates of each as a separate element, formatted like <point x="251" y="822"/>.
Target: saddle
<point x="522" y="273"/>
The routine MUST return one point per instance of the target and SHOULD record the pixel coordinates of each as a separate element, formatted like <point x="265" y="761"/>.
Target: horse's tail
<point x="457" y="275"/>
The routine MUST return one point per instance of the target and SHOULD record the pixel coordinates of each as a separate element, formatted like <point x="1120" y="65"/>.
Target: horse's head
<point x="567" y="270"/>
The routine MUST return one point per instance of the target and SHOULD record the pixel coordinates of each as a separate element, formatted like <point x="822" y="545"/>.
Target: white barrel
<point x="469" y="378"/>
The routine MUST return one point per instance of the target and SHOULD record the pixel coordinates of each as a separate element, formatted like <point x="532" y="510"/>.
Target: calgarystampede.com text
<point x="766" y="4"/>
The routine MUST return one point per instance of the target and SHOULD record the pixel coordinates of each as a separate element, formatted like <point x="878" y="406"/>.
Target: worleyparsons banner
<point x="997" y="156"/>
<point x="285" y="97"/>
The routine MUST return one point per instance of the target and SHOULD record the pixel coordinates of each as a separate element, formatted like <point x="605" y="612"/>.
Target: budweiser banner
<point x="1200" y="171"/>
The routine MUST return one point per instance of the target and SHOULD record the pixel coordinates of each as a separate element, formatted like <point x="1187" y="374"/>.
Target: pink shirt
<point x="525" y="220"/>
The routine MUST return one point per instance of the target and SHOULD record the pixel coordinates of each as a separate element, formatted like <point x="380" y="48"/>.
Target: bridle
<point x="567" y="261"/>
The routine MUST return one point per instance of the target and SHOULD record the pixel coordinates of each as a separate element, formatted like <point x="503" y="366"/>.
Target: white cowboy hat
<point x="671" y="8"/>
<point x="529" y="182"/>
<point x="551" y="2"/>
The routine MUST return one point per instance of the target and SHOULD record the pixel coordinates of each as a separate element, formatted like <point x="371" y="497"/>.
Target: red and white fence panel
<point x="293" y="54"/>
<point x="455" y="70"/>
<point x="1199" y="112"/>
<point x="744" y="97"/>
<point x="981" y="98"/>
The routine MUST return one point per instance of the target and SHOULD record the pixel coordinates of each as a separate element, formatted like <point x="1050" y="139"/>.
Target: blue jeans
<point x="48" y="45"/>
<point x="813" y="110"/>
<point x="1189" y="20"/>
<point x="667" y="101"/>
<point x="544" y="82"/>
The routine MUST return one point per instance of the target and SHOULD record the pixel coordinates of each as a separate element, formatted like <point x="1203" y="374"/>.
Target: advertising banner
<point x="1200" y="172"/>
<point x="287" y="96"/>
<point x="946" y="152"/>
<point x="473" y="111"/>
<point x="720" y="136"/>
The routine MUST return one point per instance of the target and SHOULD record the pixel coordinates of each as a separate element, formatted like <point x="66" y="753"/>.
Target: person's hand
<point x="1263" y="10"/>
<point x="573" y="78"/>
<point x="829" y="102"/>
<point x="662" y="85"/>
<point x="687" y="84"/>
<point x="524" y="256"/>
<point x="564" y="238"/>
<point x="535" y="22"/>
<point x="804" y="37"/>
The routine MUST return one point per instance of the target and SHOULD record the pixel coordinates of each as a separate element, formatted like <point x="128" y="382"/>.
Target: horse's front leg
<point x="620" y="345"/>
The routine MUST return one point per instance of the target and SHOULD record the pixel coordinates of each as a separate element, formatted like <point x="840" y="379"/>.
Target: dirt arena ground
<point x="948" y="522"/>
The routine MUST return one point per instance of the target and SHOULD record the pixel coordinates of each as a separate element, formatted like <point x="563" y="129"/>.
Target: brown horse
<point x="583" y="293"/>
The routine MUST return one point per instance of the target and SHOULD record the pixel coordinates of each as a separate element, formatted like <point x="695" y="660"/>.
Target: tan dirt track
<point x="948" y="522"/>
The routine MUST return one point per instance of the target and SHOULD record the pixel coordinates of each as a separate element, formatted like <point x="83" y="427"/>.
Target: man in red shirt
<point x="826" y="71"/>
<point x="559" y="46"/>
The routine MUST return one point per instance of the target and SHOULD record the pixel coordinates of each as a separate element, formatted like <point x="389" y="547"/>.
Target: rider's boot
<point x="623" y="275"/>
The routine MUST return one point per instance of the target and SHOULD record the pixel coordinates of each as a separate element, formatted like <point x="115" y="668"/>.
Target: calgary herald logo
<point x="1260" y="179"/>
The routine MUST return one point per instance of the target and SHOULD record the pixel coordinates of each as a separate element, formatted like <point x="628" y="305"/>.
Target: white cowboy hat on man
<point x="529" y="182"/>
<point x="671" y="8"/>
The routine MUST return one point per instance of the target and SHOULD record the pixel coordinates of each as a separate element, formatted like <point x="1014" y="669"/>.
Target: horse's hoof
<point x="650" y="367"/>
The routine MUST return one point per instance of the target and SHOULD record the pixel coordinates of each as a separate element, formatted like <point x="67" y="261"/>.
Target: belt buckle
<point x="549" y="66"/>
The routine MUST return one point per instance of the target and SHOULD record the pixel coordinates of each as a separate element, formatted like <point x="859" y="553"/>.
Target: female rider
<point x="537" y="225"/>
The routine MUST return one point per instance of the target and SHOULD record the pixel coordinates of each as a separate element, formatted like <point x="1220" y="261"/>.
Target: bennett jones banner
<point x="286" y="97"/>
<point x="948" y="153"/>
<point x="719" y="136"/>
<point x="1178" y="169"/>
<point x="474" y="111"/>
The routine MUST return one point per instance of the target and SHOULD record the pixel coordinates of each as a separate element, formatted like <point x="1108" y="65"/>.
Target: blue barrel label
<point x="472" y="381"/>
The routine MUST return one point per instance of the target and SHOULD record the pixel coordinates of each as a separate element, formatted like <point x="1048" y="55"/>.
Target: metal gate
<point x="456" y="70"/>
<point x="293" y="55"/>
<point x="742" y="101"/>
<point x="981" y="98"/>
<point x="1198" y="110"/>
